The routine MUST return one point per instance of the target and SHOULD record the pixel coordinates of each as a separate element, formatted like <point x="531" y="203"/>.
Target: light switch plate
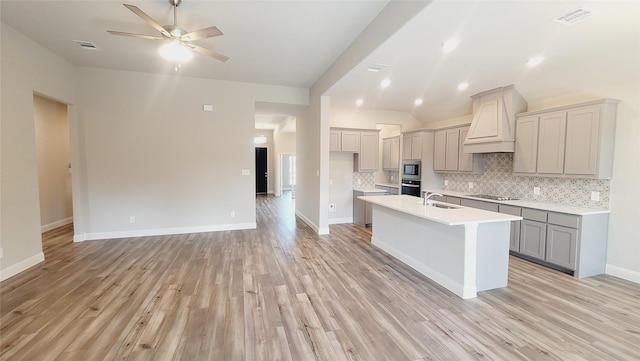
<point x="595" y="196"/>
<point x="246" y="172"/>
<point x="536" y="190"/>
<point x="207" y="107"/>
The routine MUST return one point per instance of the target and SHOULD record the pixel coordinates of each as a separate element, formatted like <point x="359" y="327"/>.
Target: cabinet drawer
<point x="487" y="206"/>
<point x="567" y="220"/>
<point x="439" y="198"/>
<point x="514" y="211"/>
<point x="534" y="215"/>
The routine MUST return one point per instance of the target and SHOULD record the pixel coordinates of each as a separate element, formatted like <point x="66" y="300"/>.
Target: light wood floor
<point x="280" y="292"/>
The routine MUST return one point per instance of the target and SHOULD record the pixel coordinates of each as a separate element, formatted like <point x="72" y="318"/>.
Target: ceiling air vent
<point x="574" y="16"/>
<point x="86" y="44"/>
<point x="376" y="67"/>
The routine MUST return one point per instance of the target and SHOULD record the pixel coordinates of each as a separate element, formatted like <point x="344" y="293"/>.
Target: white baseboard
<point x="340" y="220"/>
<point x="307" y="221"/>
<point x="21" y="266"/>
<point x="56" y="224"/>
<point x="626" y="274"/>
<point x="162" y="231"/>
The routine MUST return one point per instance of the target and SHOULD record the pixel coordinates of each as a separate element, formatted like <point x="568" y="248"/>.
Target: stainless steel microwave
<point x="411" y="169"/>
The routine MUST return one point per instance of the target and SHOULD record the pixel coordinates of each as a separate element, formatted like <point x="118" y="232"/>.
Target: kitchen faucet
<point x="428" y="195"/>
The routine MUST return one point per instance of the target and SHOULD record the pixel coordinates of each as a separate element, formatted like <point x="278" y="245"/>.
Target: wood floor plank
<point x="281" y="292"/>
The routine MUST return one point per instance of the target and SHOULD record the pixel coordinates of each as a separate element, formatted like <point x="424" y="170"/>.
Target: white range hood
<point x="493" y="128"/>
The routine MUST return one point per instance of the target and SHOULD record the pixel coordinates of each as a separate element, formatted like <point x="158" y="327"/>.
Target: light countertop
<point x="393" y="185"/>
<point x="370" y="190"/>
<point x="459" y="216"/>
<point x="560" y="208"/>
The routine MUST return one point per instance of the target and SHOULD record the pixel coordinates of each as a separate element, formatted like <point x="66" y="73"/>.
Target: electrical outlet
<point x="446" y="182"/>
<point x="132" y="219"/>
<point x="470" y="185"/>
<point x="536" y="190"/>
<point x="330" y="182"/>
<point x="332" y="207"/>
<point x="392" y="178"/>
<point x="595" y="196"/>
<point x="359" y="181"/>
<point x="233" y="214"/>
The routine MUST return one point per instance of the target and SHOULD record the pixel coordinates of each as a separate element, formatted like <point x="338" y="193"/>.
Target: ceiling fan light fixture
<point x="175" y="51"/>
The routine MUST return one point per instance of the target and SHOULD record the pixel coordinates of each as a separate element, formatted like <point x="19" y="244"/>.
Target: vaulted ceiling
<point x="292" y="43"/>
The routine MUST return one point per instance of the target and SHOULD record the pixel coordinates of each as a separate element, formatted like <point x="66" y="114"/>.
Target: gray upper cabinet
<point x="391" y="153"/>
<point x="367" y="157"/>
<point x="526" y="153"/>
<point x="449" y="156"/>
<point x="571" y="141"/>
<point x="344" y="141"/>
<point x="551" y="136"/>
<point x="412" y="146"/>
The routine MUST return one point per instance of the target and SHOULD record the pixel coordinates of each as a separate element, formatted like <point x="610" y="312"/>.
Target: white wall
<point x="26" y="68"/>
<point x="154" y="154"/>
<point x="285" y="143"/>
<point x="53" y="155"/>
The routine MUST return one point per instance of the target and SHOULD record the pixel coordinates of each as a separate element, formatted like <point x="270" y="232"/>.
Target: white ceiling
<point x="292" y="43"/>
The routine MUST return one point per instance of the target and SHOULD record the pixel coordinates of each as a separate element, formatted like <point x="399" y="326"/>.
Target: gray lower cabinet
<point x="533" y="236"/>
<point x="561" y="246"/>
<point x="514" y="240"/>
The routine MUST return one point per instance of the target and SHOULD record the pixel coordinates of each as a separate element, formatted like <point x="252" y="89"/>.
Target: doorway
<point x="53" y="151"/>
<point x="261" y="170"/>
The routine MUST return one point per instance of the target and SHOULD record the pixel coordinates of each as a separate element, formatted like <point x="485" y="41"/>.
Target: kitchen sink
<point x="440" y="205"/>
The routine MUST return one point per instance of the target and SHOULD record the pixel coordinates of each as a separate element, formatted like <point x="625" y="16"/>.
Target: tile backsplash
<point x="498" y="179"/>
<point x="366" y="180"/>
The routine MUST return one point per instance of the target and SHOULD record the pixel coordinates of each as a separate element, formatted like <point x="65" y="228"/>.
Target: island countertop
<point x="459" y="215"/>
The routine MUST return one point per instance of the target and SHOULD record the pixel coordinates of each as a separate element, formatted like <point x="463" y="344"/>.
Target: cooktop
<point x="491" y="197"/>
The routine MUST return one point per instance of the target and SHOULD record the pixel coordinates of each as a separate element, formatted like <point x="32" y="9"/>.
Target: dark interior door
<point x="261" y="170"/>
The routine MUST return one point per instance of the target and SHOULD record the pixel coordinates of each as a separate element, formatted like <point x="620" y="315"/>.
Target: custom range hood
<point x="493" y="128"/>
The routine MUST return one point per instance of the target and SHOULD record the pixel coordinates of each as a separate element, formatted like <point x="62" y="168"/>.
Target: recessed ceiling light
<point x="463" y="86"/>
<point x="450" y="44"/>
<point x="417" y="102"/>
<point x="385" y="83"/>
<point x="359" y="102"/>
<point x="535" y="60"/>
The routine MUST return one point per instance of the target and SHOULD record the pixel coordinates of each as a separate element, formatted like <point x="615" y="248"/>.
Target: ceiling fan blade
<point x="148" y="19"/>
<point x="135" y="35"/>
<point x="208" y="52"/>
<point x="201" y="34"/>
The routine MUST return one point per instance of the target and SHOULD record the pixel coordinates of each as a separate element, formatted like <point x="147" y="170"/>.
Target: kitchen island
<point x="463" y="249"/>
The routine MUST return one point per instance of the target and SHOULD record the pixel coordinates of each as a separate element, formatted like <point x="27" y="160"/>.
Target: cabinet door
<point x="561" y="246"/>
<point x="416" y="146"/>
<point x="395" y="153"/>
<point x="406" y="146"/>
<point x="368" y="155"/>
<point x="439" y="150"/>
<point x="451" y="149"/>
<point x="465" y="160"/>
<point x="583" y="129"/>
<point x="552" y="129"/>
<point x="526" y="151"/>
<point x="533" y="238"/>
<point x="386" y="153"/>
<point x="350" y="141"/>
<point x="335" y="143"/>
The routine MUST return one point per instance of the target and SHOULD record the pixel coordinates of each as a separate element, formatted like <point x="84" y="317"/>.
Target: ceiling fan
<point x="177" y="36"/>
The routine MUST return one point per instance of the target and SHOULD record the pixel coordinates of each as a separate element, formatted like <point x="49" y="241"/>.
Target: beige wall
<point x="54" y="156"/>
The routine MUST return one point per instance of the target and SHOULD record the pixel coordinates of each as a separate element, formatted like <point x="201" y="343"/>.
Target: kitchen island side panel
<point x="433" y="249"/>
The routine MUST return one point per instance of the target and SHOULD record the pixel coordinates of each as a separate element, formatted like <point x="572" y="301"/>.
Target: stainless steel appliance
<point x="411" y="170"/>
<point x="411" y="187"/>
